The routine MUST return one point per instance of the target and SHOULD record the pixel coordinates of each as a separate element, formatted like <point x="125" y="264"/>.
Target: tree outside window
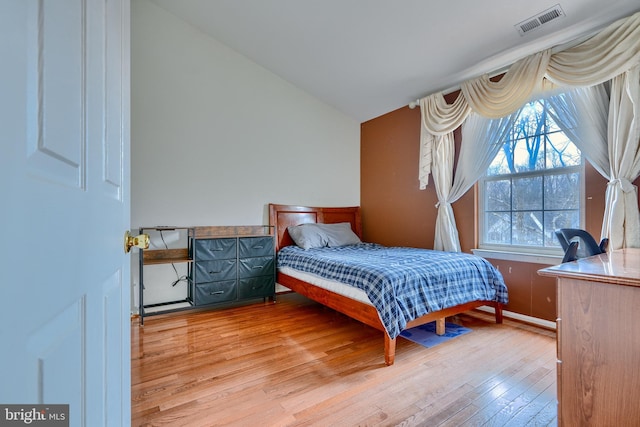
<point x="533" y="185"/>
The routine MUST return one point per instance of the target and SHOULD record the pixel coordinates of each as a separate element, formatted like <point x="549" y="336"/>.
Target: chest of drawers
<point x="230" y="265"/>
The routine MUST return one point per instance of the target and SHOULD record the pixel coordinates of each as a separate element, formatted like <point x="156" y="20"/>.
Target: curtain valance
<point x="498" y="99"/>
<point x="599" y="58"/>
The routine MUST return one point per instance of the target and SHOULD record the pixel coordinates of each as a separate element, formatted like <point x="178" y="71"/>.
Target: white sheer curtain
<point x="481" y="140"/>
<point x="582" y="114"/>
<point x="605" y="128"/>
<point x="613" y="51"/>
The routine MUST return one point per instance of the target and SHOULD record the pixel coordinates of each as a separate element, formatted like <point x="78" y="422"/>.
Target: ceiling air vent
<point x="540" y="19"/>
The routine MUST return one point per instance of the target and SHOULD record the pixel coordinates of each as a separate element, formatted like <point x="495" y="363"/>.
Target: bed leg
<point x="440" y="328"/>
<point x="389" y="350"/>
<point x="498" y="308"/>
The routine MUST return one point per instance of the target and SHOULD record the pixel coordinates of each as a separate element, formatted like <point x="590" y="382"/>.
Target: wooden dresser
<point x="598" y="339"/>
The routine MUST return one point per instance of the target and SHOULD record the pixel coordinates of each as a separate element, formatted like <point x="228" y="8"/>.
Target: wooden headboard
<point x="283" y="216"/>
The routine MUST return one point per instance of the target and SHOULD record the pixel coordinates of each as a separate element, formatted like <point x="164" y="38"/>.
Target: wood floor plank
<point x="490" y="395"/>
<point x="297" y="363"/>
<point x="548" y="416"/>
<point x="538" y="397"/>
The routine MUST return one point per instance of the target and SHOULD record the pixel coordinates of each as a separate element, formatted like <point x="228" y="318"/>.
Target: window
<point x="533" y="186"/>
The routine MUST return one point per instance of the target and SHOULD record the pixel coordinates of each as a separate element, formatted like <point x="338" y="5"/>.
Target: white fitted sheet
<point x="330" y="285"/>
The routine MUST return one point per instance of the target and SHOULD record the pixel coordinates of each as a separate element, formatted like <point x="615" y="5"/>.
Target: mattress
<point x="402" y="283"/>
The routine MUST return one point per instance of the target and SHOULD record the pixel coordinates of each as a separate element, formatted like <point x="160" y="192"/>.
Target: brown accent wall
<point x="394" y="209"/>
<point x="396" y="212"/>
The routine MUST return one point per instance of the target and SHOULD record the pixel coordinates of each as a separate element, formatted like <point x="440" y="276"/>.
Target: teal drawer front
<point x="209" y="293"/>
<point x="255" y="246"/>
<point x="256" y="287"/>
<point x="210" y="271"/>
<point x="252" y="267"/>
<point x="210" y="249"/>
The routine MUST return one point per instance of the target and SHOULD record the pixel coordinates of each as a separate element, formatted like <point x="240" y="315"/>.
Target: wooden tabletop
<point x="620" y="267"/>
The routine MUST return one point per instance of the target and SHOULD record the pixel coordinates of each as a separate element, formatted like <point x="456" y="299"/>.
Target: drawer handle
<point x="258" y="247"/>
<point x="215" y="272"/>
<point x="216" y="293"/>
<point x="258" y="267"/>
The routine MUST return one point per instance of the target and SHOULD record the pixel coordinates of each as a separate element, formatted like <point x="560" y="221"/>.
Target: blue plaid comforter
<point x="402" y="283"/>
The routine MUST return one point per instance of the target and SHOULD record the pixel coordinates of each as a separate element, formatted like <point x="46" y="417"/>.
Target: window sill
<point x="545" y="259"/>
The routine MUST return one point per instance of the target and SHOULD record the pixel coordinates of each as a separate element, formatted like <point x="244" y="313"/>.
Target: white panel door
<point x="64" y="189"/>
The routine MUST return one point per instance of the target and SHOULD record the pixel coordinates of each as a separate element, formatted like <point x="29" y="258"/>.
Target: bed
<point x="355" y="299"/>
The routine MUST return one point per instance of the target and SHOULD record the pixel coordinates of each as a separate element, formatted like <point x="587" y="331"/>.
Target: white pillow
<point x="314" y="235"/>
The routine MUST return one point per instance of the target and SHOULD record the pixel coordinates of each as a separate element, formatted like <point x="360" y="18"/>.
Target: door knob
<point x="140" y="241"/>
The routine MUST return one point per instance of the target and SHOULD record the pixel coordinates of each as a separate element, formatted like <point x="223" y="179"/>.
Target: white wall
<point x="215" y="137"/>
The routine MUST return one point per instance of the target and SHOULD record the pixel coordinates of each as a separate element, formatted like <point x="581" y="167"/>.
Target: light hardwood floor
<point x="296" y="363"/>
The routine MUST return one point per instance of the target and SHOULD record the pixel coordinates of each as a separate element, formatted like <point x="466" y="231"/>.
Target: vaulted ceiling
<point x="369" y="57"/>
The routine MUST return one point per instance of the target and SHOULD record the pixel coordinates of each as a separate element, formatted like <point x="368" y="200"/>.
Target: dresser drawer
<point x="208" y="249"/>
<point x="210" y="271"/>
<point x="255" y="246"/>
<point x="209" y="293"/>
<point x="252" y="267"/>
<point x="256" y="287"/>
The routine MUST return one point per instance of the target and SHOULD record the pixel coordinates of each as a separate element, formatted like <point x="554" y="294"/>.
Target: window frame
<point x="526" y="249"/>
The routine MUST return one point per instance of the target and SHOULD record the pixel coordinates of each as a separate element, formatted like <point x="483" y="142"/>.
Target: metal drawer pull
<point x="216" y="293"/>
<point x="258" y="247"/>
<point x="215" y="272"/>
<point x="258" y="267"/>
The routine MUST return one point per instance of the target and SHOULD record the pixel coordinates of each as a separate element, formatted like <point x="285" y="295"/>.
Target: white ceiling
<point x="369" y="57"/>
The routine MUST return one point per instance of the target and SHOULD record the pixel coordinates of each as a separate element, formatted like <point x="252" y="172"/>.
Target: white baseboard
<point x="522" y="317"/>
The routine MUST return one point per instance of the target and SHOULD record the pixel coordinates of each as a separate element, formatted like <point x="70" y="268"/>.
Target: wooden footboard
<point x="368" y="315"/>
